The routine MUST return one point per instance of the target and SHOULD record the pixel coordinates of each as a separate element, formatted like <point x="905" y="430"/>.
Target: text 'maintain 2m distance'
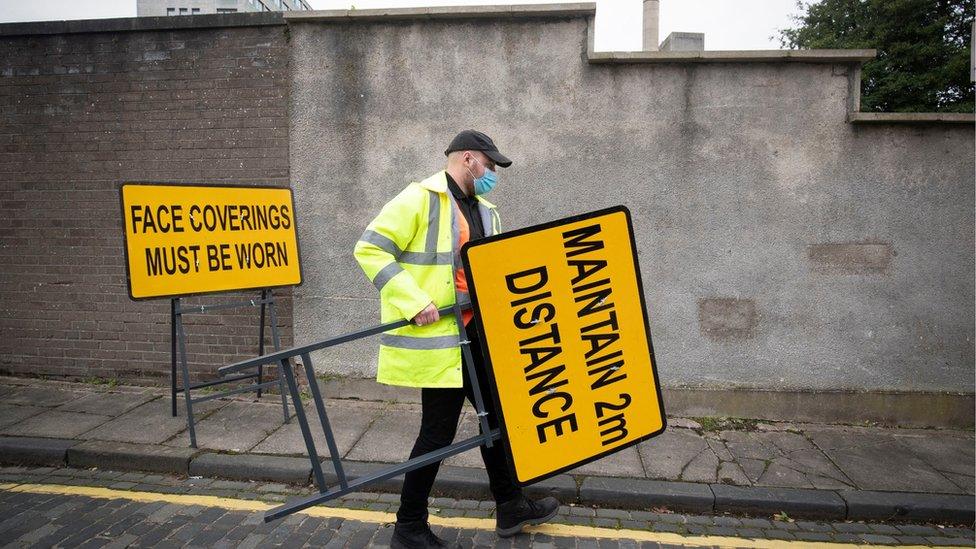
<point x="566" y="334"/>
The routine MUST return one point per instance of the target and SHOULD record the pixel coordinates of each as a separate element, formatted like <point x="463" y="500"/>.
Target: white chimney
<point x="652" y="14"/>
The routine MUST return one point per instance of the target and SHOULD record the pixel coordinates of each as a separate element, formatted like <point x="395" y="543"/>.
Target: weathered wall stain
<point x="851" y="258"/>
<point x="727" y="319"/>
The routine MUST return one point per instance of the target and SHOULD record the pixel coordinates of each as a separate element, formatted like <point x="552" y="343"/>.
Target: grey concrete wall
<point x="684" y="41"/>
<point x="781" y="247"/>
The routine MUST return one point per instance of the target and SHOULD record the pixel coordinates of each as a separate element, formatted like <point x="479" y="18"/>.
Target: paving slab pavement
<point x="730" y="472"/>
<point x="107" y="404"/>
<point x="677" y="451"/>
<point x="783" y="459"/>
<point x="11" y="413"/>
<point x="806" y="458"/>
<point x="953" y="457"/>
<point x="349" y="420"/>
<point x="151" y="423"/>
<point x="625" y="463"/>
<point x="390" y="437"/>
<point x="55" y="424"/>
<point x="467" y="428"/>
<point x="236" y="427"/>
<point x="41" y="395"/>
<point x="866" y="456"/>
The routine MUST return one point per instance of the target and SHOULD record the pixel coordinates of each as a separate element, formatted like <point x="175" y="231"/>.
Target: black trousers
<point x="441" y="409"/>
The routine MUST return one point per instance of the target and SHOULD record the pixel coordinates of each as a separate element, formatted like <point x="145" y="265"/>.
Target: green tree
<point x="923" y="49"/>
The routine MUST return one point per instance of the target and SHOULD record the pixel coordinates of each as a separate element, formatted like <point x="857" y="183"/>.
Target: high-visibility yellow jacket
<point x="409" y="252"/>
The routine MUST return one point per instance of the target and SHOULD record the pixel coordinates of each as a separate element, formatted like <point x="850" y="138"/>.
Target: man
<point x="411" y="254"/>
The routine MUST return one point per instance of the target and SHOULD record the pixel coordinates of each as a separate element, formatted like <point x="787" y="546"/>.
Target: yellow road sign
<point x="565" y="330"/>
<point x="184" y="239"/>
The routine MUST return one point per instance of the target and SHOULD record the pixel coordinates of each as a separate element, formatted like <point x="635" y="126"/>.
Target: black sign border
<point x="125" y="236"/>
<point x="486" y="355"/>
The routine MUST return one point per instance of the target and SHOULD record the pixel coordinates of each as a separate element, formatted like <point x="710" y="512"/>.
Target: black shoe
<point x="416" y="535"/>
<point x="522" y="511"/>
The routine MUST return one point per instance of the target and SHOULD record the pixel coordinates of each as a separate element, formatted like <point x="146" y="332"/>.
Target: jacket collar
<point x="438" y="184"/>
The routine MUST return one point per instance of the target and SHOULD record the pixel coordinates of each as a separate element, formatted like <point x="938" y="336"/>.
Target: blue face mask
<point x="485" y="183"/>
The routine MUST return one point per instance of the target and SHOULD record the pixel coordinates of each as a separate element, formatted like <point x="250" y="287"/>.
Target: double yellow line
<point x="377" y="517"/>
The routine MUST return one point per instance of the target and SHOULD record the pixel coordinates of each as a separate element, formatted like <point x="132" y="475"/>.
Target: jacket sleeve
<point x="381" y="245"/>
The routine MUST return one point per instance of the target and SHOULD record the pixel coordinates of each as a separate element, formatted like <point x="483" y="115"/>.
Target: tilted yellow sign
<point x="183" y="239"/>
<point x="566" y="334"/>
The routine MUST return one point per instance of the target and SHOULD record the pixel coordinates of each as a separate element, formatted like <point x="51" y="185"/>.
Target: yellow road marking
<point x="148" y="497"/>
<point x="558" y="530"/>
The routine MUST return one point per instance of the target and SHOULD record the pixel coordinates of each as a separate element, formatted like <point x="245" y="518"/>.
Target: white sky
<point x="727" y="24"/>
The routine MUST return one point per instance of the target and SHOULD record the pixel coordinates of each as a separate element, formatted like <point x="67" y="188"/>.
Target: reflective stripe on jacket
<point x="409" y="252"/>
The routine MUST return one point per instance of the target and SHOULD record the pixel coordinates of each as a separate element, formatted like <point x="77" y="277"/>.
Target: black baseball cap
<point x="470" y="140"/>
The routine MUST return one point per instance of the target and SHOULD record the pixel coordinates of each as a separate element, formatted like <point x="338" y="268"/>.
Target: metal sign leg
<point x="264" y="296"/>
<point x="181" y="337"/>
<point x="296" y="398"/>
<point x="313" y="386"/>
<point x="479" y="403"/>
<point x="276" y="339"/>
<point x="172" y="340"/>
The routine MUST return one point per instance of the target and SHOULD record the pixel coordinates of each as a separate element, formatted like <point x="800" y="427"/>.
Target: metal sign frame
<point x="487" y="352"/>
<point x="284" y="359"/>
<point x="178" y="355"/>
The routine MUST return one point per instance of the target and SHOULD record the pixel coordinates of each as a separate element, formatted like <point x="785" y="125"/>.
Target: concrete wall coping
<point x="563" y="10"/>
<point x="129" y="24"/>
<point x="733" y="56"/>
<point x="911" y="117"/>
<point x="132" y="24"/>
<point x="579" y="9"/>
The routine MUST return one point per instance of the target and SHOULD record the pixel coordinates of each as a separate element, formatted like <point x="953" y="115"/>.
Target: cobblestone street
<point x="65" y="507"/>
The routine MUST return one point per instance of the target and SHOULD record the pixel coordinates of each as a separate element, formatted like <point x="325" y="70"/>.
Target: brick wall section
<point x="85" y="111"/>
